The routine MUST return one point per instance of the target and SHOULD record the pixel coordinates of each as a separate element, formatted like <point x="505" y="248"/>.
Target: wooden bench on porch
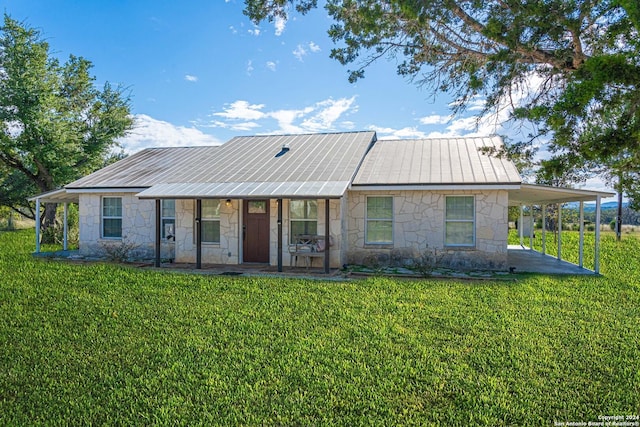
<point x="307" y="246"/>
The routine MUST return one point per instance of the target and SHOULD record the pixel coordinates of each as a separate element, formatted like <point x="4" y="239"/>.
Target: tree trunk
<point x="49" y="222"/>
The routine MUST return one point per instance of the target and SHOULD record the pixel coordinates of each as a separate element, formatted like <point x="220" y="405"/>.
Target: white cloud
<point x="328" y="112"/>
<point x="319" y="117"/>
<point x="271" y="65"/>
<point x="279" y="24"/>
<point x="190" y="78"/>
<point x="299" y="52"/>
<point x="149" y="132"/>
<point x="242" y="110"/>
<point x="303" y="50"/>
<point x="233" y="30"/>
<point x="404" y="133"/>
<point x="249" y="67"/>
<point x="434" y="119"/>
<point x="254" y="32"/>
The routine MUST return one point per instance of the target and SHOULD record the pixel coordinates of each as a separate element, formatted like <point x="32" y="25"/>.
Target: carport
<point x="526" y="258"/>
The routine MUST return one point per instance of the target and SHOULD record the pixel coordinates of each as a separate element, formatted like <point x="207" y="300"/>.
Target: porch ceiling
<point x="530" y="194"/>
<point x="247" y="190"/>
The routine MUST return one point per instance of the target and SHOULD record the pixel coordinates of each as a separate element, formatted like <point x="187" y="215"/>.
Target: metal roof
<point x="148" y="167"/>
<point x="273" y="159"/>
<point x="533" y="194"/>
<point x="247" y="190"/>
<point x="436" y="161"/>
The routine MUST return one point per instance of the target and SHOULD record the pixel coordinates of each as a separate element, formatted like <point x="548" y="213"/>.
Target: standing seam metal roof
<point x="312" y="159"/>
<point x="436" y="161"/>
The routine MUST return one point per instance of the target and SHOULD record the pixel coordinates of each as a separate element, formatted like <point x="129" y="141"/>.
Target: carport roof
<point x="534" y="194"/>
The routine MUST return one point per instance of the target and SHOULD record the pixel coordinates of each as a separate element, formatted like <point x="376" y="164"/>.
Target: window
<point x="210" y="221"/>
<point x="112" y="217"/>
<point x="303" y="218"/>
<point x="168" y="219"/>
<point x="460" y="221"/>
<point x="379" y="220"/>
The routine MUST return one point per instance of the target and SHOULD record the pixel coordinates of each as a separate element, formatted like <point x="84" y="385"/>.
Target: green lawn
<point x="106" y="344"/>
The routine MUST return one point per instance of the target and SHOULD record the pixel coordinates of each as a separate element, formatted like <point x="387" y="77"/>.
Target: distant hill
<point x="591" y="207"/>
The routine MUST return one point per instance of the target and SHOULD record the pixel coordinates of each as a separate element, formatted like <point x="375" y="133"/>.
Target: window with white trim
<point x="460" y="221"/>
<point x="303" y="218"/>
<point x="112" y="217"/>
<point x="168" y="219"/>
<point x="379" y="220"/>
<point x="210" y="221"/>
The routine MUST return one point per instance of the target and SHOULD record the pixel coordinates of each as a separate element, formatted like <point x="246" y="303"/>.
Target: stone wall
<point x="225" y="252"/>
<point x="138" y="228"/>
<point x="229" y="250"/>
<point x="418" y="229"/>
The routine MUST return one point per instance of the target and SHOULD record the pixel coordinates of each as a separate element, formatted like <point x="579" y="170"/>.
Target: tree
<point x="468" y="47"/>
<point x="551" y="61"/>
<point x="56" y="126"/>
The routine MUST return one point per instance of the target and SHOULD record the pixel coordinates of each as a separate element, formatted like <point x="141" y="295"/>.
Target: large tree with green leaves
<point x="55" y="124"/>
<point x="561" y="63"/>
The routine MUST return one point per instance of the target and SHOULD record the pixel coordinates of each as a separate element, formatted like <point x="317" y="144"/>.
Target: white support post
<point x="531" y="227"/>
<point x="520" y="227"/>
<point x="596" y="256"/>
<point x="559" y="231"/>
<point x="65" y="228"/>
<point x="544" y="229"/>
<point x="38" y="225"/>
<point x="581" y="247"/>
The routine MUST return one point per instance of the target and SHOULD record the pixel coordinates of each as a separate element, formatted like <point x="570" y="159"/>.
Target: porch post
<point x="38" y="225"/>
<point x="65" y="227"/>
<point x="198" y="234"/>
<point x="596" y="256"/>
<point x="326" y="236"/>
<point x="544" y="229"/>
<point x="559" y="231"/>
<point x="158" y="234"/>
<point x="520" y="230"/>
<point x="581" y="247"/>
<point x="531" y="228"/>
<point x="279" y="235"/>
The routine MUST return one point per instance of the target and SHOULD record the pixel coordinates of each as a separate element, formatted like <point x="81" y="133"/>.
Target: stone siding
<point x="138" y="228"/>
<point x="418" y="229"/>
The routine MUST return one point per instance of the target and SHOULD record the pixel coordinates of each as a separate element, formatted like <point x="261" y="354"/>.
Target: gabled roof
<point x="312" y="165"/>
<point x="148" y="167"/>
<point x="436" y="161"/>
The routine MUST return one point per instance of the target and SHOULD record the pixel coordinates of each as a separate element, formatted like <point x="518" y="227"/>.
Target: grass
<point x="110" y="344"/>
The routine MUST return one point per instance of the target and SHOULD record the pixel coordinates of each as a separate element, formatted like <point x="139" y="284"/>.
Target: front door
<point x="255" y="231"/>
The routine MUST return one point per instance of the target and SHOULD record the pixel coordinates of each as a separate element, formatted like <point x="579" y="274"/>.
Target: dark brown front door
<point x="255" y="231"/>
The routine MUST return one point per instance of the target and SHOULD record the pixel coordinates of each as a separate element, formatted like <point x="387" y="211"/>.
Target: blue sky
<point x="199" y="72"/>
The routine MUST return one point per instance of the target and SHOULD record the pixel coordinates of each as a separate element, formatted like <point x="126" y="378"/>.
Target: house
<point x="360" y="199"/>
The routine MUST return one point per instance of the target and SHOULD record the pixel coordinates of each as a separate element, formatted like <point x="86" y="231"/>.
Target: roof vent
<point x="283" y="150"/>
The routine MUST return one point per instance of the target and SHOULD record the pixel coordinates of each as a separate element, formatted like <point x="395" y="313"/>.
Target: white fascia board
<point x="432" y="187"/>
<point x="106" y="190"/>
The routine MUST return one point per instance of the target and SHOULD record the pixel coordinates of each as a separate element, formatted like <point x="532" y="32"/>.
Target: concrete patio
<point x="524" y="260"/>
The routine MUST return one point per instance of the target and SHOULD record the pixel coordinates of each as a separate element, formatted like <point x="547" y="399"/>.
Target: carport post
<point x="581" y="247"/>
<point x="544" y="229"/>
<point x="326" y="236"/>
<point x="65" y="227"/>
<point x="38" y="225"/>
<point x="559" y="231"/>
<point x="520" y="228"/>
<point x="596" y="255"/>
<point x="531" y="228"/>
<point x="279" y="235"/>
<point x="158" y="234"/>
<point x="198" y="234"/>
